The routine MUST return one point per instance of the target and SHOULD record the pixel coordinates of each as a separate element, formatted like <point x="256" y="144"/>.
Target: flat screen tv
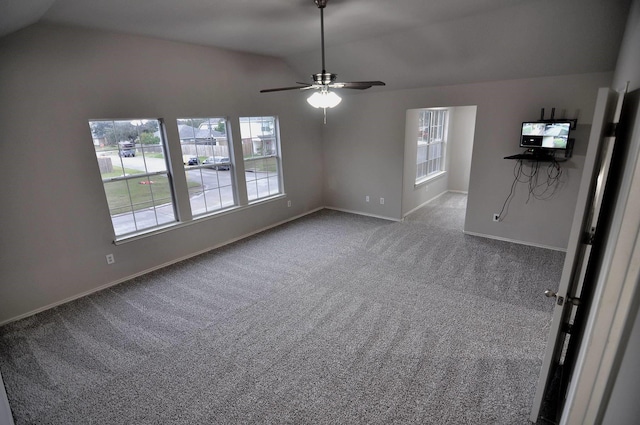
<point x="545" y="135"/>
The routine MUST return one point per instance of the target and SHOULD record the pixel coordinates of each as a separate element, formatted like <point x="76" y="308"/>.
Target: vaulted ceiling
<point x="406" y="43"/>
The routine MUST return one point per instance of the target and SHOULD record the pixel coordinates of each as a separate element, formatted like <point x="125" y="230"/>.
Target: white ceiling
<point x="406" y="43"/>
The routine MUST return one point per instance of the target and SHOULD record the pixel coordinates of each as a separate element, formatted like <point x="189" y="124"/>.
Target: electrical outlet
<point x="110" y="259"/>
<point x="366" y="198"/>
<point x="289" y="203"/>
<point x="381" y="201"/>
<point x="496" y="217"/>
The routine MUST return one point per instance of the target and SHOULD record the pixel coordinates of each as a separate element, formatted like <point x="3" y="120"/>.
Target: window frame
<point x="439" y="123"/>
<point x="275" y="154"/>
<point x="146" y="174"/>
<point x="214" y="167"/>
<point x="176" y="190"/>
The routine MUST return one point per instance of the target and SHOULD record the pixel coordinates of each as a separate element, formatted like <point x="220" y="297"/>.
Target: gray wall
<point x="628" y="65"/>
<point x="55" y="226"/>
<point x="463" y="126"/>
<point x="364" y="151"/>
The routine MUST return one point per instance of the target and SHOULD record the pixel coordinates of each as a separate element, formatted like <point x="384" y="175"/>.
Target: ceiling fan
<point x="322" y="82"/>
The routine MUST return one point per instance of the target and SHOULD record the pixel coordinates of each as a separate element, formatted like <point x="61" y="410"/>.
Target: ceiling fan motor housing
<point x="324" y="78"/>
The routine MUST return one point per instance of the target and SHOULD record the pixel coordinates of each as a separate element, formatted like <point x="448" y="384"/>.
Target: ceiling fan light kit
<point x="323" y="81"/>
<point x="324" y="99"/>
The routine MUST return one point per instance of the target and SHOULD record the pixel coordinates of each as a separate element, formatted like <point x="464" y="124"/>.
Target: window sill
<point x="430" y="178"/>
<point x="266" y="199"/>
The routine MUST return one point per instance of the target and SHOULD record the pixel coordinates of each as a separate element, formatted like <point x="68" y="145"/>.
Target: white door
<point x="566" y="299"/>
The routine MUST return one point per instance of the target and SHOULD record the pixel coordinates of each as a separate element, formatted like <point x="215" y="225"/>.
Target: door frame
<point x="616" y="300"/>
<point x="594" y="174"/>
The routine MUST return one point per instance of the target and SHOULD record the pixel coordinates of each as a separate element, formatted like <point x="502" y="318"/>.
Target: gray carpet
<point x="331" y="319"/>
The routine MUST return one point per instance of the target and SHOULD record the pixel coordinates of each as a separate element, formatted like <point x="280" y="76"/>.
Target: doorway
<point x="454" y="153"/>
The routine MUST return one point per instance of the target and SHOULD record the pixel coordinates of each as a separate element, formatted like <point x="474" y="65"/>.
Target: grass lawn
<point x="142" y="192"/>
<point x="154" y="155"/>
<point x="261" y="165"/>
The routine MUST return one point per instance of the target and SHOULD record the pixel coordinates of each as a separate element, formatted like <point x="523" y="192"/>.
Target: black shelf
<point x="535" y="157"/>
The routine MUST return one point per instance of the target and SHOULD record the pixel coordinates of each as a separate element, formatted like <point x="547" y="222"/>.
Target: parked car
<point x="223" y="160"/>
<point x="127" y="152"/>
<point x="126" y="149"/>
<point x="190" y="160"/>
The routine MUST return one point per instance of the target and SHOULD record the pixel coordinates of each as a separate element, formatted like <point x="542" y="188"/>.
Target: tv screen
<point x="545" y="135"/>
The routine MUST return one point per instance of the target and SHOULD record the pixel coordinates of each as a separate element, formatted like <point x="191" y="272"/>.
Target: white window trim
<point x="148" y="174"/>
<point x="168" y="144"/>
<point x="277" y="156"/>
<point x="201" y="218"/>
<point x="443" y="158"/>
<point x="230" y="164"/>
<point x="429" y="178"/>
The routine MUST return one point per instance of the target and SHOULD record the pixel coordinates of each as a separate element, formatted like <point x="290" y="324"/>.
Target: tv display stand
<point x="534" y="156"/>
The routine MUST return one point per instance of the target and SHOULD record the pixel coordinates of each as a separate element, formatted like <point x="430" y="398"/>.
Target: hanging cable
<point x="537" y="188"/>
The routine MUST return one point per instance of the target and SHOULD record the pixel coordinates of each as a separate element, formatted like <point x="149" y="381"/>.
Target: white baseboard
<point x="432" y="199"/>
<point x="423" y="204"/>
<point x="177" y="260"/>
<point x="498" y="238"/>
<point x="362" y="213"/>
<point x="133" y="276"/>
<point x="482" y="235"/>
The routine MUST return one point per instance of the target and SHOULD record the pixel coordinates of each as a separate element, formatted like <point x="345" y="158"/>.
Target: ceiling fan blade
<point x="358" y="85"/>
<point x="306" y="86"/>
<point x="373" y="83"/>
<point x="362" y="84"/>
<point x="324" y="80"/>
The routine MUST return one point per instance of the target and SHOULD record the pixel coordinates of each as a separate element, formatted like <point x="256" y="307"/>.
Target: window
<point x="432" y="132"/>
<point x="206" y="155"/>
<point x="132" y="161"/>
<point x="260" y="148"/>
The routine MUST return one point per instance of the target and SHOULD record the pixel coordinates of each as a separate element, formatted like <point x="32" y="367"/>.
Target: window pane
<point x="421" y="159"/>
<point x="212" y="200"/>
<point x="430" y="143"/>
<point x="131" y="159"/>
<point x="260" y="149"/>
<point x="263" y="178"/>
<point x="206" y="155"/>
<point x="258" y="136"/>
